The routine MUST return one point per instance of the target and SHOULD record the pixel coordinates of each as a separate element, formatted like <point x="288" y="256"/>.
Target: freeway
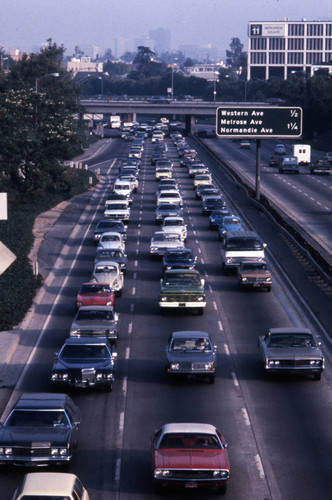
<point x="278" y="430"/>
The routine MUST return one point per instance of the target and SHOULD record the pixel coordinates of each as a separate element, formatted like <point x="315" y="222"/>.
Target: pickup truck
<point x="182" y="289"/>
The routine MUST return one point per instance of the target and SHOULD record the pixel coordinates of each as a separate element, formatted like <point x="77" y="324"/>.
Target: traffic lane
<point x="243" y="333"/>
<point x="113" y="149"/>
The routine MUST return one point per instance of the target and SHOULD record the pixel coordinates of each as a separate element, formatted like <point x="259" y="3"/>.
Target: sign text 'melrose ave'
<point x="259" y="122"/>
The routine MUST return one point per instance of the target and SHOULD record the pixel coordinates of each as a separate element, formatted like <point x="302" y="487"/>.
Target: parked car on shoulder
<point x="292" y="350"/>
<point x="84" y="363"/>
<point x="191" y="455"/>
<point x="191" y="353"/>
<point x="41" y="429"/>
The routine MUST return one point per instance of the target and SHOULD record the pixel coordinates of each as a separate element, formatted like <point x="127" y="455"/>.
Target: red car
<point x="95" y="294"/>
<point x="190" y="455"/>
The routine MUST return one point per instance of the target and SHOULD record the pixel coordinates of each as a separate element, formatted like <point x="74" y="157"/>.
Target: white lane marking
<point x="245" y="416"/>
<point x="215" y="306"/>
<point x="127" y="355"/>
<point x="124" y="385"/>
<point x="235" y="380"/>
<point x="121" y="421"/>
<point x="259" y="466"/>
<point x="226" y="350"/>
<point x="135" y="276"/>
<point x="137" y="250"/>
<point x="132" y="308"/>
<point x="202" y="261"/>
<point x="210" y="288"/>
<point x="117" y="470"/>
<point x="194" y="232"/>
<point x="133" y="290"/>
<point x="136" y="263"/>
<point x="199" y="250"/>
<point x="205" y="273"/>
<point x="220" y="326"/>
<point x="130" y="327"/>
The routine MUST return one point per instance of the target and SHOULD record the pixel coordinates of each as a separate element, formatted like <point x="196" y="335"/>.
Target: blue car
<point x="230" y="223"/>
<point x="216" y="217"/>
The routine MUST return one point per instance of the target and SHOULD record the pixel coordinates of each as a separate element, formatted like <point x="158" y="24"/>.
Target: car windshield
<point x="254" y="266"/>
<point x="183" y="279"/>
<point x="166" y="207"/>
<point x="231" y="221"/>
<point x="37" y="418"/>
<point x="286" y="340"/>
<point x="94" y="314"/>
<point x="173" y="222"/>
<point x="117" y="206"/>
<point x="178" y="256"/>
<point x="190" y="440"/>
<point x="110" y="237"/>
<point x="165" y="237"/>
<point x="244" y="243"/>
<point x="95" y="288"/>
<point x="84" y="352"/>
<point x="109" y="254"/>
<point x="191" y="344"/>
<point x="105" y="269"/>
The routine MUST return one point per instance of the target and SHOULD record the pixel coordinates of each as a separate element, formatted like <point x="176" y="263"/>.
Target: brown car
<point x="254" y="275"/>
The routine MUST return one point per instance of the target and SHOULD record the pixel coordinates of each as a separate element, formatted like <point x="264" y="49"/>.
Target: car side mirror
<point x="225" y="445"/>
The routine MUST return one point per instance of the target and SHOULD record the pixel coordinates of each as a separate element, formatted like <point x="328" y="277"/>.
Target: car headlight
<point x="60" y="376"/>
<point x="153" y="249"/>
<point x="268" y="280"/>
<point x="273" y="362"/>
<point x="221" y="473"/>
<point x="161" y="473"/>
<point x="315" y="362"/>
<point x="243" y="279"/>
<point x="74" y="332"/>
<point x="163" y="299"/>
<point x="59" y="452"/>
<point x="200" y="298"/>
<point x="209" y="366"/>
<point x="79" y="304"/>
<point x="174" y="366"/>
<point x="7" y="451"/>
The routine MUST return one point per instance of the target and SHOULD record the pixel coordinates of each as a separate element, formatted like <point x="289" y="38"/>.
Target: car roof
<point x="189" y="428"/>
<point x="290" y="330"/>
<point x="242" y="234"/>
<point x="85" y="341"/>
<point x="43" y="400"/>
<point x="96" y="308"/>
<point x="189" y="334"/>
<point x="176" y="271"/>
<point x="59" y="484"/>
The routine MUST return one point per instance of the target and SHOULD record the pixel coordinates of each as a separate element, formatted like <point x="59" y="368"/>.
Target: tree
<point x="235" y="57"/>
<point x="37" y="125"/>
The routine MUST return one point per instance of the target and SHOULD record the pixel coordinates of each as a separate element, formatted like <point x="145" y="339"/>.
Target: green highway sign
<point x="259" y="122"/>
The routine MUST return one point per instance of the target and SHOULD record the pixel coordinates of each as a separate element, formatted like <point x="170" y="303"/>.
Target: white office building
<point x="282" y="48"/>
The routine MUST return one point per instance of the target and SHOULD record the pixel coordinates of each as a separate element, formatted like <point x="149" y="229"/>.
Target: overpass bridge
<point x="173" y="109"/>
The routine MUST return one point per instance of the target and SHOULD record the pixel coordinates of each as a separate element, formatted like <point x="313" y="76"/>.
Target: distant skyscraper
<point x="161" y="39"/>
<point x="121" y="45"/>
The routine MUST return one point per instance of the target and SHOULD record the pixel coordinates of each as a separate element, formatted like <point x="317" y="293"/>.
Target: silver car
<point x="162" y="241"/>
<point x="95" y="321"/>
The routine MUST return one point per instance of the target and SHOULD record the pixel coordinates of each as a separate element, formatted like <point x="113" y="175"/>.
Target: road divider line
<point x="130" y="327"/>
<point x="235" y="380"/>
<point x="227" y="352"/>
<point x="127" y="355"/>
<point x="221" y="327"/>
<point x="259" y="466"/>
<point x="245" y="417"/>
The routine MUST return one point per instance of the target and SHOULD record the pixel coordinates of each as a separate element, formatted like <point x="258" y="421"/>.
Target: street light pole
<point x="172" y="85"/>
<point x="44" y="76"/>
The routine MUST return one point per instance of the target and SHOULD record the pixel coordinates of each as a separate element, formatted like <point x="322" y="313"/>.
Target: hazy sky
<point x="29" y="23"/>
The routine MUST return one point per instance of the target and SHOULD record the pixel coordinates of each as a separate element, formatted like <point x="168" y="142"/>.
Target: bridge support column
<point x="190" y="124"/>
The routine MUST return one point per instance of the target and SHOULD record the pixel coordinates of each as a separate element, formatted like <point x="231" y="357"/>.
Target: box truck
<point x="302" y="153"/>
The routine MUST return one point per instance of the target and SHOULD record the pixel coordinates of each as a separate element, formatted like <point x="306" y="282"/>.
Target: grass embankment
<point x="18" y="286"/>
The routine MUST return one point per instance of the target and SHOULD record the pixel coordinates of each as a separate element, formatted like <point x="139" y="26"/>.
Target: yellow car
<point x="53" y="485"/>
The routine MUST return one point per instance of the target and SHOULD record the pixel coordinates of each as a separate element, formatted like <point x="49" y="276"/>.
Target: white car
<point x="117" y="210"/>
<point x="51" y="485"/>
<point x="110" y="273"/>
<point x="175" y="225"/>
<point x="202" y="179"/>
<point x="162" y="241"/>
<point x="172" y="196"/>
<point x="122" y="187"/>
<point x="111" y="241"/>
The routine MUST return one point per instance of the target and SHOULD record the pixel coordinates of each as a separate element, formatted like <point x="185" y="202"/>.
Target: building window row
<point x="276" y="58"/>
<point x="277" y="43"/>
<point x="258" y="58"/>
<point x="258" y="43"/>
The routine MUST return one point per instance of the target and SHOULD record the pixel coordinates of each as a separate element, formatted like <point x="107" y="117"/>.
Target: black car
<point x="216" y="216"/>
<point x="214" y="203"/>
<point x="206" y="190"/>
<point x="182" y="258"/>
<point x="191" y="353"/>
<point x="84" y="363"/>
<point x="167" y="210"/>
<point x="112" y="255"/>
<point x="41" y="429"/>
<point x="105" y="225"/>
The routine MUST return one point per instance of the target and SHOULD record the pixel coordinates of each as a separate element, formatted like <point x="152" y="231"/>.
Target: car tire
<point x="317" y="376"/>
<point x="211" y="379"/>
<point x="108" y="388"/>
<point x="268" y="288"/>
<point x="200" y="311"/>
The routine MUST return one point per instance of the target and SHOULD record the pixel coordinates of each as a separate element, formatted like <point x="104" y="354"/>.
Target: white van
<point x="238" y="246"/>
<point x="302" y="153"/>
<point x="122" y="187"/>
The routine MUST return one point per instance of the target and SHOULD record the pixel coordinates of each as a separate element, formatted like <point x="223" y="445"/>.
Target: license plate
<point x="182" y="304"/>
<point x="191" y="485"/>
